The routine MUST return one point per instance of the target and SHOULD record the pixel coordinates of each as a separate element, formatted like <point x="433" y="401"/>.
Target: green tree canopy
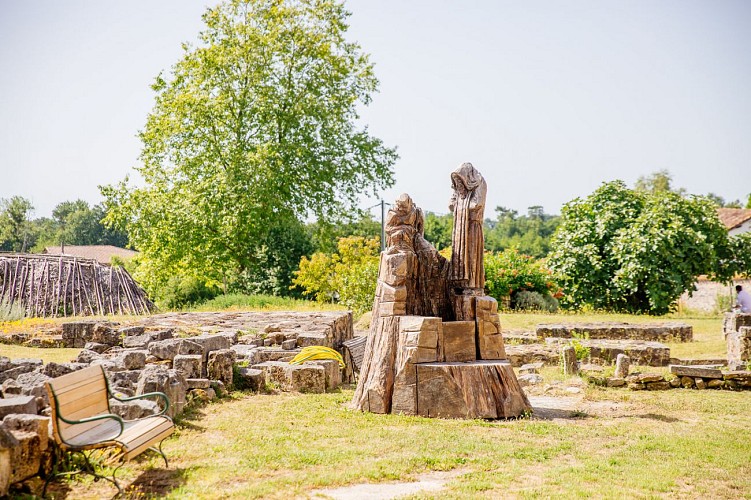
<point x="530" y="234"/>
<point x="638" y="251"/>
<point x="76" y="223"/>
<point x="256" y="124"/>
<point x="15" y="224"/>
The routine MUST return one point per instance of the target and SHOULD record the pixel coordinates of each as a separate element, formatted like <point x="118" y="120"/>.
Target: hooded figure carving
<point x="468" y="243"/>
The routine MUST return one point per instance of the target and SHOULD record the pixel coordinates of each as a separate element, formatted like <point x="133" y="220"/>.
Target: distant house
<point x="101" y="253"/>
<point x="736" y="220"/>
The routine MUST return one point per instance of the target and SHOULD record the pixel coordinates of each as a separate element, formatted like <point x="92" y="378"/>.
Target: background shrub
<point x="523" y="279"/>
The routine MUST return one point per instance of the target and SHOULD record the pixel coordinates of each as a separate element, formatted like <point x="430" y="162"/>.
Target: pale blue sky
<point x="547" y="98"/>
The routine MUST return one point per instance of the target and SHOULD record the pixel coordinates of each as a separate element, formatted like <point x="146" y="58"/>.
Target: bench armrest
<point x="103" y="416"/>
<point x="148" y="394"/>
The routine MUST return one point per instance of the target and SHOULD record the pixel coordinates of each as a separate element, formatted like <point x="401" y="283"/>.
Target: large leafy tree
<point x="638" y="251"/>
<point x="256" y="124"/>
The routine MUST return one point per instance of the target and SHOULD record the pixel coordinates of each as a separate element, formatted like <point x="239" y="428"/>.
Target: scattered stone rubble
<point x="243" y="349"/>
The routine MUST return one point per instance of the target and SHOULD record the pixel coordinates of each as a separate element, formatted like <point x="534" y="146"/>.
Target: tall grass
<point x="11" y="312"/>
<point x="236" y="301"/>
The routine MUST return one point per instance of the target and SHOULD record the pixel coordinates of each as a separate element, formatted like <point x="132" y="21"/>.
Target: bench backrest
<point x="74" y="396"/>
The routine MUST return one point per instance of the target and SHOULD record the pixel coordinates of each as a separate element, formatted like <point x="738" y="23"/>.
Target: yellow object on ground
<point x="317" y="352"/>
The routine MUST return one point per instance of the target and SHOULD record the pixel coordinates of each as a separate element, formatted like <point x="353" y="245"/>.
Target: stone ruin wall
<point x="184" y="355"/>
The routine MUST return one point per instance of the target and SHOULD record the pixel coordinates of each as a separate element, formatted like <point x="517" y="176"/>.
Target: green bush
<point x="534" y="301"/>
<point x="348" y="276"/>
<point x="509" y="273"/>
<point x="185" y="291"/>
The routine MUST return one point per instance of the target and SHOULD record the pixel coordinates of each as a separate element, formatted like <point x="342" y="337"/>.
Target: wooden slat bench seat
<point x="82" y="419"/>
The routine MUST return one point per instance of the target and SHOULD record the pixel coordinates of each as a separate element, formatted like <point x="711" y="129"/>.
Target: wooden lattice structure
<point x="61" y="285"/>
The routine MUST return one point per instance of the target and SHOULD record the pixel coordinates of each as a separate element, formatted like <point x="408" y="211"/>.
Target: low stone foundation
<point x="601" y="351"/>
<point x="686" y="377"/>
<point x="663" y="332"/>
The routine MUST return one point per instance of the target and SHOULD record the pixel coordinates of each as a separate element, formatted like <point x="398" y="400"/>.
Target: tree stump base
<point x="477" y="389"/>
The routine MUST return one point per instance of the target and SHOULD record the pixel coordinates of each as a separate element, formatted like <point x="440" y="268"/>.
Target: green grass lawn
<point x="708" y="340"/>
<point x="680" y="443"/>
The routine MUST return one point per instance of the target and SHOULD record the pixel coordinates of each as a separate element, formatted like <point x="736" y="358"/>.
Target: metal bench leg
<point x="158" y="449"/>
<point x="87" y="469"/>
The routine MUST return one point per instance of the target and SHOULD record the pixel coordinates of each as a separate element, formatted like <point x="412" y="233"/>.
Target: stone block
<point x="25" y="422"/>
<point x="143" y="340"/>
<point x="392" y="309"/>
<point x="17" y="367"/>
<point x="124" y="381"/>
<point x="188" y="364"/>
<point x="687" y="382"/>
<point x="243" y="351"/>
<point x="10" y="388"/>
<point x="32" y="384"/>
<point x="662" y="332"/>
<point x="211" y="343"/>
<point x="26" y="456"/>
<point x="96" y="347"/>
<point x="568" y="361"/>
<point x="529" y="379"/>
<point x="103" y="333"/>
<point x="738" y="346"/>
<point x="489" y="338"/>
<point x="696" y="371"/>
<point x="615" y="382"/>
<point x="458" y="341"/>
<point x="54" y="370"/>
<point x="658" y="386"/>
<point x="7" y="444"/>
<point x="198" y="383"/>
<point x="109" y="365"/>
<point x="332" y="372"/>
<point x="131" y="410"/>
<point x="395" y="268"/>
<point x="309" y="339"/>
<point x="132" y="359"/>
<point x="307" y="377"/>
<point x="733" y="321"/>
<point x="715" y="384"/>
<point x="393" y="293"/>
<point x="77" y="333"/>
<point x="168" y="349"/>
<point x="700" y="384"/>
<point x="464" y="306"/>
<point x="130" y="331"/>
<point x="289" y="344"/>
<point x="86" y="356"/>
<point x="531" y="368"/>
<point x="252" y="378"/>
<point x="157" y="378"/>
<point x="219" y="366"/>
<point x="644" y="378"/>
<point x="622" y="366"/>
